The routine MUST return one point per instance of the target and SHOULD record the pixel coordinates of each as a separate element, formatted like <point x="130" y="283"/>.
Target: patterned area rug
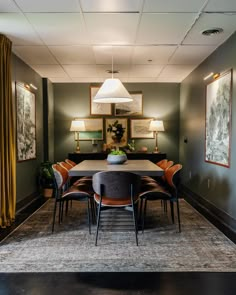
<point x="199" y="247"/>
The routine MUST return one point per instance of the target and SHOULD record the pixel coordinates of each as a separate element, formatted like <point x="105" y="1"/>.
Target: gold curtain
<point x="7" y="137"/>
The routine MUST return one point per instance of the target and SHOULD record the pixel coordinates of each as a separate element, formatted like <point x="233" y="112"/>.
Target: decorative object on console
<point x="156" y="126"/>
<point x="77" y="126"/>
<point x="116" y="157"/>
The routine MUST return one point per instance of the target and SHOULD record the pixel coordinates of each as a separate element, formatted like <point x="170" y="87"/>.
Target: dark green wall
<point x="160" y="100"/>
<point x="222" y="189"/>
<point x="26" y="172"/>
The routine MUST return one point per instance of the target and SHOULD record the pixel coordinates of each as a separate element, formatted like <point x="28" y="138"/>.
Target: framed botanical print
<point x="98" y="108"/>
<point x="218" y="120"/>
<point x="139" y="128"/>
<point x="116" y="131"/>
<point x="93" y="129"/>
<point x="26" y="123"/>
<point x="133" y="108"/>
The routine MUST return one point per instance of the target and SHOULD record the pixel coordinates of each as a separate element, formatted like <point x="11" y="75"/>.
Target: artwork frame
<point x="218" y="120"/>
<point x="94" y="129"/>
<point x="25" y="123"/>
<point x="109" y="136"/>
<point x="139" y="128"/>
<point x="98" y="108"/>
<point x="134" y="108"/>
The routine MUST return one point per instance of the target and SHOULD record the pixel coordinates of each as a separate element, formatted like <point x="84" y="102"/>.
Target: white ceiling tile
<point x="140" y="80"/>
<point x="164" y="28"/>
<point x="168" y="80"/>
<point x="157" y="54"/>
<point x="52" y="71"/>
<point x="220" y="5"/>
<point x="111" y="5"/>
<point x="48" y="6"/>
<point x="172" y="6"/>
<point x="209" y="21"/>
<point x="59" y="28"/>
<point x="176" y="71"/>
<point x="73" y="54"/>
<point x="81" y="70"/>
<point x="188" y="54"/>
<point x="16" y="27"/>
<point x="60" y="80"/>
<point x="145" y="71"/>
<point x="111" y="28"/>
<point x="8" y="6"/>
<point x="121" y="54"/>
<point x="87" y="80"/>
<point x="37" y="55"/>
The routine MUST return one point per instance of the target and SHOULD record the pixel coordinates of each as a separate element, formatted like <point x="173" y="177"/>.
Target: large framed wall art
<point x="218" y="120"/>
<point x="26" y="123"/>
<point x="133" y="108"/>
<point x="98" y="108"/>
<point x="139" y="128"/>
<point x="93" y="129"/>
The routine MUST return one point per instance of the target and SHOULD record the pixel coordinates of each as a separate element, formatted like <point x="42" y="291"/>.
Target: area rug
<point x="199" y="247"/>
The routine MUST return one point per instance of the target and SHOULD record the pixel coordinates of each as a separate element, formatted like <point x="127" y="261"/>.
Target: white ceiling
<point x="150" y="40"/>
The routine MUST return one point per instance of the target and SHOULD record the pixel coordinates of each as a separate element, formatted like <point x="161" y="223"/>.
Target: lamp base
<point x="156" y="151"/>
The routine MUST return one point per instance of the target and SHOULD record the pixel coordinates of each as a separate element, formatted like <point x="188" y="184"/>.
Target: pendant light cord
<point x="112" y="62"/>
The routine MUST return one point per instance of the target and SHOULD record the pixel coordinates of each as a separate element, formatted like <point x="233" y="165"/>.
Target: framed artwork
<point x="133" y="108"/>
<point x="218" y="120"/>
<point x="26" y="123"/>
<point x="139" y="128"/>
<point x="94" y="129"/>
<point x="116" y="131"/>
<point x="98" y="108"/>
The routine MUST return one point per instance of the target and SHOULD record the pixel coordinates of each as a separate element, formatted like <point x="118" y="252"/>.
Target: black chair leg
<point x="172" y="212"/>
<point x="54" y="215"/>
<point x="178" y="213"/>
<point x="98" y="221"/>
<point x="140" y="212"/>
<point x="144" y="214"/>
<point x="89" y="219"/>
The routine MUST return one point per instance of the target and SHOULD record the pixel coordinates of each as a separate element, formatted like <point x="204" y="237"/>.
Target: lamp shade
<point x="112" y="91"/>
<point x="156" y="125"/>
<point x="77" y="125"/>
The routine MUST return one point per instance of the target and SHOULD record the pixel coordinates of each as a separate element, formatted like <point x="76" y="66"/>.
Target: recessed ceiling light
<point x="212" y="32"/>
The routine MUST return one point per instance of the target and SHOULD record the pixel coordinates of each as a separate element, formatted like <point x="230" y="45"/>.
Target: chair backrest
<point x="171" y="175"/>
<point x="65" y="165"/>
<point x="162" y="163"/>
<point x="70" y="162"/>
<point x="165" y="167"/>
<point x="60" y="174"/>
<point x="116" y="184"/>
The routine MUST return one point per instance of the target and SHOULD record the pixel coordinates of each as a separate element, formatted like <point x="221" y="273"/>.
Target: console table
<point x="79" y="157"/>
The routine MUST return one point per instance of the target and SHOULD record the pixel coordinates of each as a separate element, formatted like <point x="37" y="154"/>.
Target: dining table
<point x="140" y="167"/>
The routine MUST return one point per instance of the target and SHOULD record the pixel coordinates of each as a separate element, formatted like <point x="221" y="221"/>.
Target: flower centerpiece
<point x="118" y="131"/>
<point x="116" y="157"/>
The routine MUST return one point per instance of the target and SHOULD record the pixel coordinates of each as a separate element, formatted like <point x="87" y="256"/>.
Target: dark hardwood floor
<point x="118" y="283"/>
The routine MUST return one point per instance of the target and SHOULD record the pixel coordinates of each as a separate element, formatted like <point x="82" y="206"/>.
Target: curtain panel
<point x="7" y="137"/>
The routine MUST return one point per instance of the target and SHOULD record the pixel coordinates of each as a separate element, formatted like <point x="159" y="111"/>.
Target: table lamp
<point x="156" y="126"/>
<point x="77" y="126"/>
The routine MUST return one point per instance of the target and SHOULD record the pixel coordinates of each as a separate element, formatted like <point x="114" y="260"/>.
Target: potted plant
<point x="116" y="157"/>
<point x="46" y="179"/>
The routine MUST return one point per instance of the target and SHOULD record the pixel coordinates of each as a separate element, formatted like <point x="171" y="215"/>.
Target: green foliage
<point x="46" y="175"/>
<point x="117" y="152"/>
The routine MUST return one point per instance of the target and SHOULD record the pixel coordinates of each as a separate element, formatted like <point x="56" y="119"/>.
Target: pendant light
<point x="112" y="91"/>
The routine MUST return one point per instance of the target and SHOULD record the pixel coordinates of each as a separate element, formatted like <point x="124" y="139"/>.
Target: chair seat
<point x="153" y="191"/>
<point x="106" y="201"/>
<point x="75" y="192"/>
